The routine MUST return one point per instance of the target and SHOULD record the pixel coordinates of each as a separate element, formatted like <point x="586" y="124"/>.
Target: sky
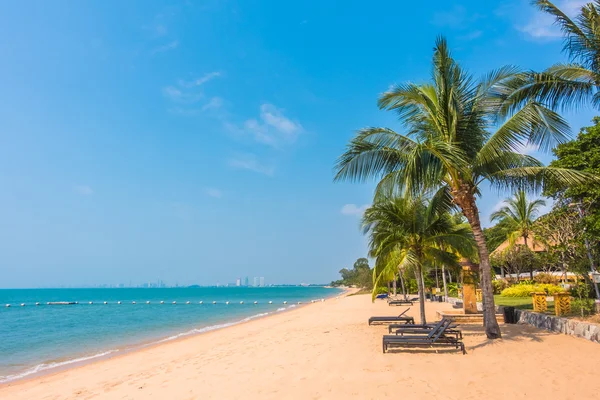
<point x="194" y="141"/>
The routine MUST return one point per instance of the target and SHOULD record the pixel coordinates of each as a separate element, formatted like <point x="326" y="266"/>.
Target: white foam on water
<point x="45" y="367"/>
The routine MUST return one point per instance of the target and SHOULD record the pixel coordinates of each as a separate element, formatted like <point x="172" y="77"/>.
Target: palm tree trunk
<point x="465" y="199"/>
<point x="421" y="296"/>
<point x="388" y="285"/>
<point x="402" y="284"/>
<point x="444" y="282"/>
<point x="530" y="264"/>
<point x="394" y="285"/>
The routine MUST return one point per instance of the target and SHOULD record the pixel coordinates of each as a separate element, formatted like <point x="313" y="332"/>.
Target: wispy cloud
<point x="541" y="25"/>
<point x="166" y="47"/>
<point x="213" y="192"/>
<point x="215" y="103"/>
<point x="200" y="81"/>
<point x="84" y="190"/>
<point x="354" y="210"/>
<point x="272" y="127"/>
<point x="188" y="92"/>
<point x="250" y="162"/>
<point x="527" y="149"/>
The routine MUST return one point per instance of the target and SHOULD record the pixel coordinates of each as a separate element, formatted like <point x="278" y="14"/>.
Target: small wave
<point x="44" y="367"/>
<point x="292" y="306"/>
<point x="281" y="309"/>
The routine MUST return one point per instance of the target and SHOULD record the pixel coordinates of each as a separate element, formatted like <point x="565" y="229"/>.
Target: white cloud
<point x="200" y="81"/>
<point x="272" y="127"/>
<point x="84" y="190"/>
<point x="353" y="209"/>
<point x="213" y="192"/>
<point x="251" y="163"/>
<point x="541" y="25"/>
<point x="527" y="149"/>
<point x="187" y="92"/>
<point x="215" y="103"/>
<point x="166" y="47"/>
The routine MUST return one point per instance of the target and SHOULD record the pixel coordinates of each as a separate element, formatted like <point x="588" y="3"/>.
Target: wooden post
<point x="562" y="303"/>
<point x="539" y="302"/>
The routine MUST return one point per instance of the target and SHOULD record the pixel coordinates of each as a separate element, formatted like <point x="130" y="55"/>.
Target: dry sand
<point x="327" y="351"/>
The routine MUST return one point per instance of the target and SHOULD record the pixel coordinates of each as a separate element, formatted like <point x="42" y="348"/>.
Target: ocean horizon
<point x="38" y="337"/>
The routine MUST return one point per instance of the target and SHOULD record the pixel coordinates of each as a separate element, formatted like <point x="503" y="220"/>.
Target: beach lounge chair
<point x="419" y="329"/>
<point x="400" y="302"/>
<point x="394" y="318"/>
<point x="435" y="338"/>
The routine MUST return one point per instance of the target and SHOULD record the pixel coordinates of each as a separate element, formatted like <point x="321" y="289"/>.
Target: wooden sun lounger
<point x="435" y="338"/>
<point x="392" y="319"/>
<point x="400" y="302"/>
<point x="419" y="329"/>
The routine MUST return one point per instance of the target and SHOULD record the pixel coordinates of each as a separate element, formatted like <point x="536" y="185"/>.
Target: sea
<point x="36" y="337"/>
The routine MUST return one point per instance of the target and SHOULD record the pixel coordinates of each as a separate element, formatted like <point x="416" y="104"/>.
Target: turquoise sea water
<point x="38" y="338"/>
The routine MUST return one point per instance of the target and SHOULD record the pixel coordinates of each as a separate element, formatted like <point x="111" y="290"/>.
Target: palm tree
<point x="407" y="233"/>
<point x="577" y="82"/>
<point x="519" y="214"/>
<point x="449" y="147"/>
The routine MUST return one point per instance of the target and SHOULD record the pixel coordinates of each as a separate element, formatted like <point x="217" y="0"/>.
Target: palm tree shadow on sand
<point x="510" y="333"/>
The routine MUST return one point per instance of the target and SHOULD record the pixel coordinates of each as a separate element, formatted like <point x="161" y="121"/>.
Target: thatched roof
<point x="534" y="245"/>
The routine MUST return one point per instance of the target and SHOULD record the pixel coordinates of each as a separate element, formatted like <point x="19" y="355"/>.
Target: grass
<point x="524" y="303"/>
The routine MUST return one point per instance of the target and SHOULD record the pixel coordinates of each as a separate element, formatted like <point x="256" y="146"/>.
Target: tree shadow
<point x="510" y="333"/>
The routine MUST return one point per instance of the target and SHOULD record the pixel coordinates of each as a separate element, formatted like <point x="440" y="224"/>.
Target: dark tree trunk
<point x="421" y="285"/>
<point x="395" y="285"/>
<point x="402" y="284"/>
<point x="444" y="283"/>
<point x="465" y="199"/>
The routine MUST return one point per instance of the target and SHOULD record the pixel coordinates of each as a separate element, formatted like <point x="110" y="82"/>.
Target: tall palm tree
<point x="519" y="214"/>
<point x="571" y="84"/>
<point x="449" y="147"/>
<point x="407" y="233"/>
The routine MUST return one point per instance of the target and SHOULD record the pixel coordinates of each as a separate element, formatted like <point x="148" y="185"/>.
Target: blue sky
<point x="194" y="141"/>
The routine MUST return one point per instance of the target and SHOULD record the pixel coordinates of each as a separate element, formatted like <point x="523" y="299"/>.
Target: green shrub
<point x="525" y="289"/>
<point x="452" y="289"/>
<point x="499" y="286"/>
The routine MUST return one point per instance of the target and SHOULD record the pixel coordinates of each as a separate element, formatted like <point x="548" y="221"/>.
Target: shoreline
<point x="328" y="351"/>
<point x="79" y="361"/>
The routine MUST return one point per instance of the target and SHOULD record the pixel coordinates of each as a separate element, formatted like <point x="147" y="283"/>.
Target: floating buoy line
<point x="65" y="303"/>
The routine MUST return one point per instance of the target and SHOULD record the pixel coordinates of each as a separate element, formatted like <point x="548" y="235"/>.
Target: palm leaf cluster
<point x="410" y="235"/>
<point x="459" y="133"/>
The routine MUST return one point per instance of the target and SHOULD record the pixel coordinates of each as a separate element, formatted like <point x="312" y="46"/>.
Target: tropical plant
<point x="577" y="82"/>
<point x="406" y="233"/>
<point x="449" y="148"/>
<point x="520" y="215"/>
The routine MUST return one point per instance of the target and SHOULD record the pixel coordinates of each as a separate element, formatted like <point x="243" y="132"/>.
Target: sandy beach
<point x="327" y="351"/>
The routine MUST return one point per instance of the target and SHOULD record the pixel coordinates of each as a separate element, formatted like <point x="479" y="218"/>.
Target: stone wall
<point x="567" y="326"/>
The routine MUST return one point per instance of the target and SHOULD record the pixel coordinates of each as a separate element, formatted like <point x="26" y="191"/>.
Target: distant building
<point x="262" y="281"/>
<point x="256" y="281"/>
<point x="246" y="282"/>
<point x="238" y="282"/>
